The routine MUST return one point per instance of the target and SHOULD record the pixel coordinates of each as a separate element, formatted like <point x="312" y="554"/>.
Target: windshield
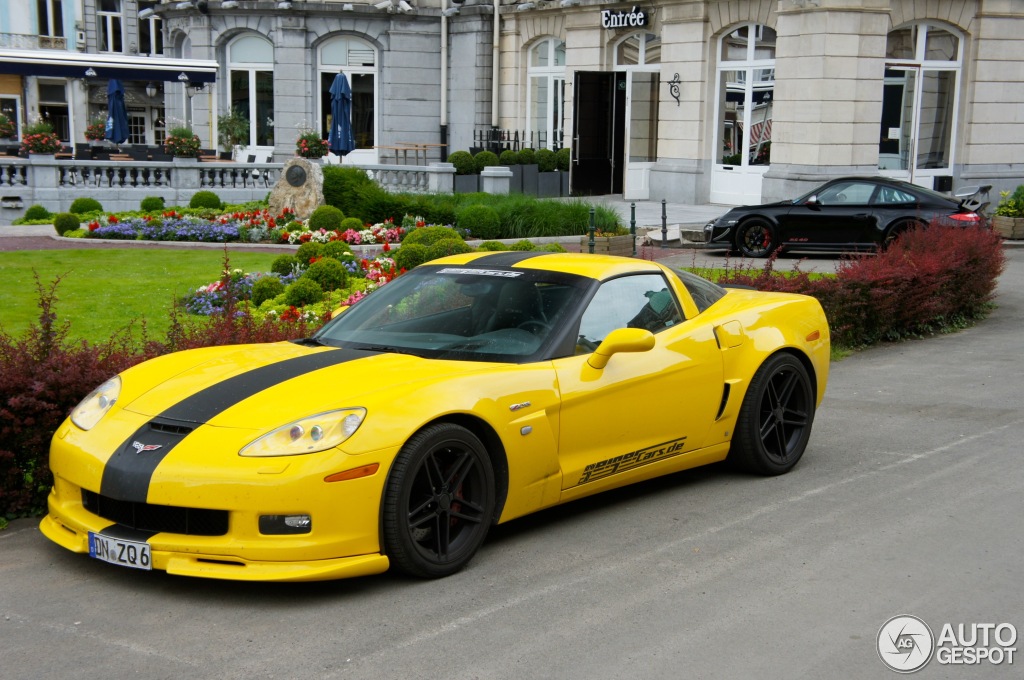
<point x="462" y="312"/>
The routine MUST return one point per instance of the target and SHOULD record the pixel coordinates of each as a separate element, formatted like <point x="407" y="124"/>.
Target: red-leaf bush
<point x="926" y="281"/>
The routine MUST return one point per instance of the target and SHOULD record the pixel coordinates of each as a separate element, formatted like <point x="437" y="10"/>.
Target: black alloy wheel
<point x="896" y="230"/>
<point x="756" y="238"/>
<point x="438" y="501"/>
<point x="774" y="423"/>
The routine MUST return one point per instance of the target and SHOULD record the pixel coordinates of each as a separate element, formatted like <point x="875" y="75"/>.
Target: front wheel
<point x="775" y="419"/>
<point x="438" y="502"/>
<point x="756" y="238"/>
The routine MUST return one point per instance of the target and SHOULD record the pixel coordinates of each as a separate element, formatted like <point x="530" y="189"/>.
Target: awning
<point x="62" y="64"/>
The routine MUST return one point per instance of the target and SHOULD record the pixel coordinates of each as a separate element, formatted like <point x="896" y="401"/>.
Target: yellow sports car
<point x="470" y="391"/>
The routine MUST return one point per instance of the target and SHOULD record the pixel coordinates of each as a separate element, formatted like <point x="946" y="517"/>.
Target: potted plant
<point x="181" y="142"/>
<point x="549" y="184"/>
<point x="39" y="138"/>
<point x="96" y="131"/>
<point x="510" y="159"/>
<point x="7" y="127"/>
<point x="1008" y="218"/>
<point x="615" y="241"/>
<point x="528" y="163"/>
<point x="310" y="144"/>
<point x="467" y="179"/>
<point x="233" y="130"/>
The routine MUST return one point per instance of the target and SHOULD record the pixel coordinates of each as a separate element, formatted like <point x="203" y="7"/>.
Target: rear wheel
<point x="775" y="419"/>
<point x="756" y="238"/>
<point x="438" y="502"/>
<point x="895" y="231"/>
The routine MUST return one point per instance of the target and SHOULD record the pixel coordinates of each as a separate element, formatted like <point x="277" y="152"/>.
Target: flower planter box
<point x="515" y="184"/>
<point x="529" y="179"/>
<point x="565" y="182"/>
<point x="608" y="245"/>
<point x="549" y="185"/>
<point x="467" y="184"/>
<point x="1009" y="227"/>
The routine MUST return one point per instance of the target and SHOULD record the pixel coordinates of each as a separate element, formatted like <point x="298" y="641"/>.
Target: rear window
<point x="703" y="292"/>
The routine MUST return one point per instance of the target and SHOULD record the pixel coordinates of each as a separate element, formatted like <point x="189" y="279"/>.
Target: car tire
<point x="774" y="424"/>
<point x="438" y="501"/>
<point x="895" y="230"/>
<point x="756" y="238"/>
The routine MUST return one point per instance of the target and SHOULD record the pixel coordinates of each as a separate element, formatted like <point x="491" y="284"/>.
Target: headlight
<point x="95" y="406"/>
<point x="309" y="435"/>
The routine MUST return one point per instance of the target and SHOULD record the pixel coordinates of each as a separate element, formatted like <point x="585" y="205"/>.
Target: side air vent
<point x="725" y="400"/>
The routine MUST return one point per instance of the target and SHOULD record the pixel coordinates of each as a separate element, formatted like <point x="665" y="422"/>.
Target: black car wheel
<point x="775" y="419"/>
<point x="756" y="238"/>
<point x="438" y="501"/>
<point x="896" y="230"/>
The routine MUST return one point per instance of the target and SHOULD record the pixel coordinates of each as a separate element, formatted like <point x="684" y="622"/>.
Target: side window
<point x="848" y="193"/>
<point x="889" y="195"/>
<point x="642" y="301"/>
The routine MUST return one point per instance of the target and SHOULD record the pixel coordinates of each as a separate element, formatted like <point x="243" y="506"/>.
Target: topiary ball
<point x="427" y="236"/>
<point x="353" y="223"/>
<point x="463" y="162"/>
<point x="527" y="157"/>
<point x="83" y="205"/>
<point x="525" y="244"/>
<point x="563" y="157"/>
<point x="205" y="199"/>
<point x="335" y="249"/>
<point x="326" y="217"/>
<point x="152" y="204"/>
<point x="546" y="161"/>
<point x="37" y="212"/>
<point x="446" y="247"/>
<point x="284" y="264"/>
<point x="303" y="291"/>
<point x="485" y="159"/>
<point x="327" y="272"/>
<point x="411" y="255"/>
<point x="266" y="288"/>
<point x="481" y="220"/>
<point x="492" y="246"/>
<point x="508" y="157"/>
<point x="66" y="222"/>
<point x="307" y="251"/>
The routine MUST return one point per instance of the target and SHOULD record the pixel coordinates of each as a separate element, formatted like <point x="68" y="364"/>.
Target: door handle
<point x="576" y="145"/>
<point x="862" y="216"/>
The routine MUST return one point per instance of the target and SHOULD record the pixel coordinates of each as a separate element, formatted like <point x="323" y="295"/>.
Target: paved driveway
<point x="908" y="501"/>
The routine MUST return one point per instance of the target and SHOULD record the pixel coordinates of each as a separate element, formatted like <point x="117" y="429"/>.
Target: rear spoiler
<point x="973" y="197"/>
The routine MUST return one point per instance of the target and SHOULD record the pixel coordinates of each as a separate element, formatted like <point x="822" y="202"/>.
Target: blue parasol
<point x="117" y="119"/>
<point x="340" y="140"/>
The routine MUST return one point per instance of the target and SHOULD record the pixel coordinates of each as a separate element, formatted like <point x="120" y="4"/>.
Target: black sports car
<point x="850" y="213"/>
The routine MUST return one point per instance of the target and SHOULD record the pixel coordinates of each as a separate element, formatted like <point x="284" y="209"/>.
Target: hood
<point x="264" y="386"/>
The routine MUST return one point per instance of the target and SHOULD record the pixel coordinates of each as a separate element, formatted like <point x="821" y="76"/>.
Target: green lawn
<point x="104" y="290"/>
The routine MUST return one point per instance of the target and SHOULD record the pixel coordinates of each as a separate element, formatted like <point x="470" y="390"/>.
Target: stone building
<point x="723" y="101"/>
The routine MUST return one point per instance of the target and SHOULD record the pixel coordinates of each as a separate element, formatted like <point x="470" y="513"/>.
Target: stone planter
<point x="515" y="184"/>
<point x="608" y="245"/>
<point x="467" y="184"/>
<point x="549" y="185"/>
<point x="529" y="179"/>
<point x="565" y="182"/>
<point x="185" y="160"/>
<point x="1009" y="227"/>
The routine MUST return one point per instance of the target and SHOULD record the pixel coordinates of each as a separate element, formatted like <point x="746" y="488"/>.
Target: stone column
<point x="293" y="100"/>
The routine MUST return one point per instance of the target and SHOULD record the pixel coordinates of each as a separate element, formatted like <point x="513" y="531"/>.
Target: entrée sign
<point x="619" y="19"/>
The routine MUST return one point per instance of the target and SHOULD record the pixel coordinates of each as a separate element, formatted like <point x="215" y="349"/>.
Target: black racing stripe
<point x="507" y="258"/>
<point x="127" y="474"/>
<point x="127" y="533"/>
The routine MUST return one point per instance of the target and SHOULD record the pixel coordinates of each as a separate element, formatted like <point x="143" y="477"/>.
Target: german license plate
<point x="118" y="551"/>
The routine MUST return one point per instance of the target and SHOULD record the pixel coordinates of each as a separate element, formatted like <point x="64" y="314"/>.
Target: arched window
<point x="746" y="86"/>
<point x="251" y="83"/>
<point x="545" y="98"/>
<point x="357" y="59"/>
<point x="919" y="101"/>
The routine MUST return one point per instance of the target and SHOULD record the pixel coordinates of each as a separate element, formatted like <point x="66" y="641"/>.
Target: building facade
<point x="721" y="101"/>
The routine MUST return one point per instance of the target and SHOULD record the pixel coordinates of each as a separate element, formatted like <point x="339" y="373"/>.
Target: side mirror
<point x="813" y="201"/>
<point x="621" y="340"/>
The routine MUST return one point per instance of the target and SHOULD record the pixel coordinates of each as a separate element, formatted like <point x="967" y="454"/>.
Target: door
<point x="599" y="120"/>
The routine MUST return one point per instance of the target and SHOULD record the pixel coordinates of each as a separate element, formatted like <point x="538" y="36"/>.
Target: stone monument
<point x="300" y="188"/>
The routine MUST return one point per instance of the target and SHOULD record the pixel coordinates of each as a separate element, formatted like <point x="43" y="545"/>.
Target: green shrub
<point x="266" y="288"/>
<point x="83" y="205"/>
<point x="307" y="251"/>
<point x="553" y="248"/>
<point x="76" y="233"/>
<point x="492" y="246"/>
<point x="523" y="245"/>
<point x="37" y="212"/>
<point x="335" y="249"/>
<point x="430" y="235"/>
<point x="342" y="186"/>
<point x="205" y="199"/>
<point x="66" y="222"/>
<point x="377" y="205"/>
<point x="482" y="221"/>
<point x="303" y="291"/>
<point x="485" y="159"/>
<point x="410" y="255"/>
<point x="446" y="247"/>
<point x="563" y="157"/>
<point x="527" y="156"/>
<point x="328" y="272"/>
<point x="152" y="204"/>
<point x="353" y="223"/>
<point x="546" y="160"/>
<point x="284" y="264"/>
<point x="326" y="217"/>
<point x="508" y="157"/>
<point x="464" y="163"/>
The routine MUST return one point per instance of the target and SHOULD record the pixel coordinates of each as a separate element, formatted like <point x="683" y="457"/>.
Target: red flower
<point x="112" y="219"/>
<point x="387" y="248"/>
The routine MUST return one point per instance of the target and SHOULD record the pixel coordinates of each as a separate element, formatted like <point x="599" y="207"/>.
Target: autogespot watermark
<point x="906" y="644"/>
